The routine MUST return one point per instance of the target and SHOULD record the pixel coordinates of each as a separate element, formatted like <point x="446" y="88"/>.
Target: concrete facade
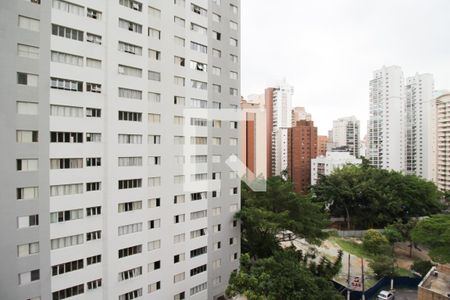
<point x="325" y="165"/>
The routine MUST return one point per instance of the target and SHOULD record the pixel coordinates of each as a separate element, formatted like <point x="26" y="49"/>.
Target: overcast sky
<point x="327" y="49"/>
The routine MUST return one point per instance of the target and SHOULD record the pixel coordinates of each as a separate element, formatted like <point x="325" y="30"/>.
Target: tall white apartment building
<point x="441" y="141"/>
<point x="418" y="146"/>
<point x="325" y="165"/>
<point x="386" y="119"/>
<point x="346" y="135"/>
<point x="279" y="107"/>
<point x="114" y="180"/>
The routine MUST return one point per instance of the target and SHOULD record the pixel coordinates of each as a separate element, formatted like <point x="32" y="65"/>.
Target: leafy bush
<point x="422" y="266"/>
<point x="376" y="243"/>
<point x="383" y="266"/>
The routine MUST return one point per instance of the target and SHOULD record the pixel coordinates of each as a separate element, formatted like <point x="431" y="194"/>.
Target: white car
<point x="385" y="295"/>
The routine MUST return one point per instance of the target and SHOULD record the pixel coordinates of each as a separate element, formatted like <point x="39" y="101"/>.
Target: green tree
<point x="373" y="198"/>
<point x="282" y="276"/>
<point x="383" y="266"/>
<point x="375" y="242"/>
<point x="265" y="215"/>
<point x="434" y="233"/>
<point x="422" y="266"/>
<point x="401" y="232"/>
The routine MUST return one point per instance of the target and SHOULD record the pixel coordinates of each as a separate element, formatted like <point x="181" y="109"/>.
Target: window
<point x="130" y="116"/>
<point x="217" y="35"/>
<point x="93" y="112"/>
<point x="131" y="26"/>
<point x="180" y="296"/>
<point x="93" y="162"/>
<point x="217" y="53"/>
<point x="26" y="108"/>
<point x="154" y="181"/>
<point x="199" y="122"/>
<point x="233" y="25"/>
<point x="66" y="58"/>
<point x="130" y="48"/>
<point x="156" y="265"/>
<point x="180" y="2"/>
<point x="199" y="214"/>
<point x="233" y="141"/>
<point x="216" y="175"/>
<point x="68" y="7"/>
<point x="199" y="47"/>
<point x="93" y="259"/>
<point x="92" y="137"/>
<point x="129" y="229"/>
<point x="153" y="245"/>
<point x="233" y="207"/>
<point x="233" y="58"/>
<point x="179" y="21"/>
<point x="27" y="193"/>
<point x="217" y="88"/>
<point x="27" y="51"/>
<point x="131" y="273"/>
<point x="27" y="79"/>
<point x="180" y="81"/>
<point x="67" y="241"/>
<point x="27" y="165"/>
<point x="94" y="284"/>
<point x="217" y="105"/>
<point x="66" y="84"/>
<point x="154" y="160"/>
<point x="199" y="85"/>
<point x="179" y="238"/>
<point x="179" y="61"/>
<point x="198" y="10"/>
<point x="217" y="228"/>
<point x="152" y="224"/>
<point x="217" y="280"/>
<point x="93" y="186"/>
<point x="178" y="258"/>
<point x="154" y="33"/>
<point x="67" y="32"/>
<point x="154" y="54"/>
<point x="178" y="140"/>
<point x="67" y="267"/>
<point x="217" y="141"/>
<point x="129" y="184"/>
<point x="93" y="63"/>
<point x="198" y="103"/>
<point x="178" y="277"/>
<point x="135" y="5"/>
<point x="28" y="23"/>
<point x="198" y="66"/>
<point x="178" y="199"/>
<point x="155" y="76"/>
<point x="27" y="249"/>
<point x="199" y="251"/>
<point x="154" y="97"/>
<point x="179" y="219"/>
<point x="178" y="100"/>
<point x="198" y="159"/>
<point x="234" y="92"/>
<point x="199" y="140"/>
<point x="233" y="42"/>
<point x="178" y="179"/>
<point x="154" y="12"/>
<point x="129" y="206"/>
<point x="216" y="123"/>
<point x="66" y="215"/>
<point x="154" y="139"/>
<point x="155" y="202"/>
<point x="216" y="211"/>
<point x="130" y="71"/>
<point x="130" y="251"/>
<point x="27" y="277"/>
<point x="198" y="28"/>
<point x="233" y="75"/>
<point x="179" y="41"/>
<point x="93" y="211"/>
<point x="216" y="18"/>
<point x="27" y="221"/>
<point x="68" y="292"/>
<point x="233" y="125"/>
<point x="216" y="264"/>
<point x="130" y="161"/>
<point x="133" y="294"/>
<point x="198" y="233"/>
<point x="130" y="94"/>
<point x="94" y="14"/>
<point x="198" y="270"/>
<point x="198" y="288"/>
<point x="199" y="177"/>
<point x="154" y="287"/>
<point x="93" y="87"/>
<point x="178" y="120"/>
<point x="216" y="71"/>
<point x="130" y="139"/>
<point x="66" y="189"/>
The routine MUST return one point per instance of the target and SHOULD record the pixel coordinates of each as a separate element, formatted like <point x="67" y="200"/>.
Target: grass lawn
<point x="352" y="247"/>
<point x="403" y="272"/>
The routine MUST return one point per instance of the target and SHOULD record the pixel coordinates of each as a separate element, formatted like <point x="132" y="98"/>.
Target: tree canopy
<point x="281" y="276"/>
<point x="434" y="232"/>
<point x="265" y="214"/>
<point x="374" y="198"/>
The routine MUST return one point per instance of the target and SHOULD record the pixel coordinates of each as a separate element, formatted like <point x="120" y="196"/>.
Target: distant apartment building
<point x="441" y="142"/>
<point x="322" y="143"/>
<point x="299" y="113"/>
<point x="418" y="125"/>
<point x="302" y="148"/>
<point x="386" y="119"/>
<point x="278" y="105"/>
<point x="114" y="147"/>
<point x="346" y="135"/>
<point x="253" y="138"/>
<point x="325" y="165"/>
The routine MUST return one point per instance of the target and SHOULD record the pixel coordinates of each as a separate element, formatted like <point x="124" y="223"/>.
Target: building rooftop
<point x="437" y="280"/>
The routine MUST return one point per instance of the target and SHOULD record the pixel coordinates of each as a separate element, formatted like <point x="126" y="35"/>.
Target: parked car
<point x="385" y="295"/>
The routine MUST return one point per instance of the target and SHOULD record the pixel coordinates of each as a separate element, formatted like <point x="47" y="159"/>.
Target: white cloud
<point x="328" y="48"/>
